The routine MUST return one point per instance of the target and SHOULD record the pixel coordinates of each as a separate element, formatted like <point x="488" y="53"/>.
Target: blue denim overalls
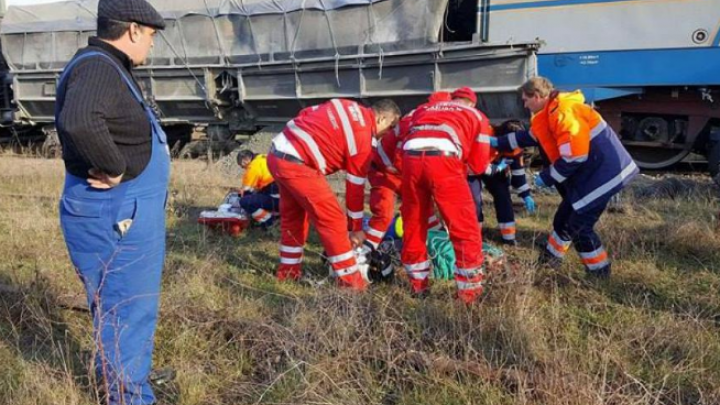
<point x="120" y="266"/>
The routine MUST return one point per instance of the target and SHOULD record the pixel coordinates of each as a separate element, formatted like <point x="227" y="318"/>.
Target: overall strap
<point x="123" y="75"/>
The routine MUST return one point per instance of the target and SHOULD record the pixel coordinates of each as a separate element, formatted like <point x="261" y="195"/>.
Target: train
<point x="650" y="66"/>
<point x="230" y="67"/>
<point x="248" y="66"/>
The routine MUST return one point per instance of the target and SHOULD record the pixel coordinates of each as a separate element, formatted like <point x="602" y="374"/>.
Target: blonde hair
<point x="537" y="85"/>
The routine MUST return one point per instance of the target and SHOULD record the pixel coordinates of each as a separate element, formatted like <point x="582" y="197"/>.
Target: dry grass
<point x="650" y="335"/>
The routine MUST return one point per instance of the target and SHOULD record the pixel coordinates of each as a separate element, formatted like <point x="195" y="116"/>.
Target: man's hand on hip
<point x="101" y="180"/>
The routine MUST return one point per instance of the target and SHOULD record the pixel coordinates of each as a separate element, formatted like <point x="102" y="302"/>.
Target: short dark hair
<point x="508" y="127"/>
<point x="244" y="154"/>
<point x="111" y="30"/>
<point x="386" y="106"/>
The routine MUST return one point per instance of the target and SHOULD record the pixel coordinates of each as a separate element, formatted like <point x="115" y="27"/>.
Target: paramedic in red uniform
<point x="385" y="177"/>
<point x="321" y="140"/>
<point x="588" y="166"/>
<point x="446" y="139"/>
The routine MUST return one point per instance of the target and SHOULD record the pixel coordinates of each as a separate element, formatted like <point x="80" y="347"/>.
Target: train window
<point x="460" y="21"/>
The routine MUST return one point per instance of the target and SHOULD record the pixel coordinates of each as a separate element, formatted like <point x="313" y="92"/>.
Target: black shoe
<point x="381" y="267"/>
<point x="422" y="295"/>
<point x="601" y="273"/>
<point x="509" y="242"/>
<point x="547" y="259"/>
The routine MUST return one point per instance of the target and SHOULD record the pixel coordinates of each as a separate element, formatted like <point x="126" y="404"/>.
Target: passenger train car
<point x="652" y="67"/>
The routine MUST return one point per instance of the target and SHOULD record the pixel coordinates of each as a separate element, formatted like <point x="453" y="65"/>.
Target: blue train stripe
<point x="638" y="68"/>
<point x="550" y="3"/>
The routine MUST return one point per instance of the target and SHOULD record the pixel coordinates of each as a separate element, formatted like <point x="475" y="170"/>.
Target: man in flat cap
<point x="112" y="207"/>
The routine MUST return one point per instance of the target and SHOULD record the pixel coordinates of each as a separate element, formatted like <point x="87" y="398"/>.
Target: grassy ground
<point x="650" y="335"/>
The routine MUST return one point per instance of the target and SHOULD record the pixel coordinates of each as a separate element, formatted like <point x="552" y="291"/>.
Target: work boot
<point x="421" y="295"/>
<point x="267" y="225"/>
<point x="289" y="272"/>
<point x="470" y="296"/>
<point x="511" y="243"/>
<point x="601" y="273"/>
<point x="547" y="259"/>
<point x="354" y="282"/>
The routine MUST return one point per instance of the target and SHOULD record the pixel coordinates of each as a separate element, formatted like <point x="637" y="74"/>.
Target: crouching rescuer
<point x="259" y="195"/>
<point x="588" y="166"/>
<point x="445" y="139"/>
<point x="385" y="177"/>
<point x="321" y="140"/>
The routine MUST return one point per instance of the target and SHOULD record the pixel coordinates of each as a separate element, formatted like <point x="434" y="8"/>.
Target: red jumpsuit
<point x="445" y="140"/>
<point x="321" y="140"/>
<point x="385" y="177"/>
<point x="385" y="181"/>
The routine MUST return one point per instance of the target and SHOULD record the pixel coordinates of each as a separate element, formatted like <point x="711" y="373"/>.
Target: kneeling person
<point x="259" y="195"/>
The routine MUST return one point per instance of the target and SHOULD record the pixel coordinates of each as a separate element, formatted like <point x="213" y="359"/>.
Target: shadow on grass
<point x="33" y="324"/>
<point x="667" y="294"/>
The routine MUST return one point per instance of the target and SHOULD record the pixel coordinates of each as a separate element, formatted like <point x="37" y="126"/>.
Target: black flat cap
<point x="137" y="11"/>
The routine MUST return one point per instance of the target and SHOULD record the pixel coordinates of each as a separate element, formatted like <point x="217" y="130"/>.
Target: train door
<point x="461" y="21"/>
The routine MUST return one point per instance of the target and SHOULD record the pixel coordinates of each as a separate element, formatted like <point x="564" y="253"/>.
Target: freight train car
<point x="245" y="66"/>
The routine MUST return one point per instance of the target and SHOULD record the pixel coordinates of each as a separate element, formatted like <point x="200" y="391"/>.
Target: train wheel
<point x="654" y="158"/>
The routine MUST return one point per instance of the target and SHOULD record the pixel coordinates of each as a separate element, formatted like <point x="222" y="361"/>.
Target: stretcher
<point x="229" y="218"/>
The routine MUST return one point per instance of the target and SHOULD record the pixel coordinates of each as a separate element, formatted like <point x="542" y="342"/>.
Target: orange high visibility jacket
<point x="587" y="157"/>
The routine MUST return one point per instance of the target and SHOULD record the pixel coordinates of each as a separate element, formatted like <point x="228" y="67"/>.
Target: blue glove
<point x="539" y="183"/>
<point x="501" y="166"/>
<point x="493" y="142"/>
<point x="530" y="204"/>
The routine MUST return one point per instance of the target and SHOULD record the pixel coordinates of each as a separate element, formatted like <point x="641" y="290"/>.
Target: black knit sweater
<point x="100" y="123"/>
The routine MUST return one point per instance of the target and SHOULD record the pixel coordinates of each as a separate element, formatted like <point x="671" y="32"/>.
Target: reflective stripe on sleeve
<point x="355" y="179"/>
<point x="556" y="175"/>
<point x="310" y="142"/>
<point x="375" y="232"/>
<point x="347" y="127"/>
